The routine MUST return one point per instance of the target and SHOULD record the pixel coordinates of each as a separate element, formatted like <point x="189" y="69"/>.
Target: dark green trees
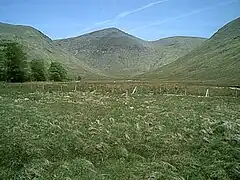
<point x="38" y="72"/>
<point x="57" y="72"/>
<point x="13" y="67"/>
<point x="3" y="67"/>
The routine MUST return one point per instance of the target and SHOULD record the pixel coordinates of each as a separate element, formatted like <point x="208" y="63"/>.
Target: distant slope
<point x="38" y="45"/>
<point x="120" y="54"/>
<point x="216" y="61"/>
<point x="168" y="50"/>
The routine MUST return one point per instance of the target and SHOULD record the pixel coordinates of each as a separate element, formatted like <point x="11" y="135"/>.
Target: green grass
<point x="120" y="87"/>
<point x="95" y="134"/>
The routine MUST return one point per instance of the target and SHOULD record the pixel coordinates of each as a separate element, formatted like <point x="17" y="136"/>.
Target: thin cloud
<point x="103" y="22"/>
<point x="96" y="25"/>
<point x="124" y="14"/>
<point x="183" y="15"/>
<point x="127" y="13"/>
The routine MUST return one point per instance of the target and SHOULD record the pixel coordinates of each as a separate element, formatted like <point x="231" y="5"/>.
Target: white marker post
<point x="134" y="90"/>
<point x="75" y="87"/>
<point x="126" y="94"/>
<point x="207" y="93"/>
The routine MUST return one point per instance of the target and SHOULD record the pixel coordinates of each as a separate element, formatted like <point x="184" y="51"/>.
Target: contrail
<point x="103" y="22"/>
<point x="127" y="13"/>
<point x="183" y="15"/>
<point x="124" y="14"/>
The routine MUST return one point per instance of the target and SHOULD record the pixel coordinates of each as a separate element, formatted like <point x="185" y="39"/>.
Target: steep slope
<point x="216" y="61"/>
<point x="170" y="49"/>
<point x="118" y="53"/>
<point x="38" y="45"/>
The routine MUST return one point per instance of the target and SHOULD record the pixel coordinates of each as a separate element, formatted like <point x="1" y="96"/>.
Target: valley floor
<point x="100" y="135"/>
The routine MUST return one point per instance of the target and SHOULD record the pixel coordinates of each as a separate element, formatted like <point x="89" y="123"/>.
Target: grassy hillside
<point x="216" y="61"/>
<point x="168" y="50"/>
<point x="38" y="45"/>
<point x="120" y="54"/>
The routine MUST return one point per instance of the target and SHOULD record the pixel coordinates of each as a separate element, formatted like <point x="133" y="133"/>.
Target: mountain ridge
<point x="125" y="32"/>
<point x="217" y="60"/>
<point x="40" y="46"/>
<point x="116" y="52"/>
<point x="113" y="53"/>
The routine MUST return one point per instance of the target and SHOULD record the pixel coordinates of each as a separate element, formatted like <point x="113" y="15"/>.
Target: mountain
<point x="117" y="53"/>
<point x="39" y="46"/>
<point x="217" y="60"/>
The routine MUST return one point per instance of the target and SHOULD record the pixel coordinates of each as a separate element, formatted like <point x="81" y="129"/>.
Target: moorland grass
<point x="105" y="135"/>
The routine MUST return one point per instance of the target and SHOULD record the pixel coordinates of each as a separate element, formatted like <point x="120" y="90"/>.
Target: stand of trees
<point x="12" y="62"/>
<point x="38" y="72"/>
<point x="57" y="72"/>
<point x="14" y="67"/>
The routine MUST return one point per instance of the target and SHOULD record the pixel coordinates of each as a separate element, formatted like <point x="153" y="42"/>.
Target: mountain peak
<point x="120" y="54"/>
<point x="113" y="29"/>
<point x="108" y="32"/>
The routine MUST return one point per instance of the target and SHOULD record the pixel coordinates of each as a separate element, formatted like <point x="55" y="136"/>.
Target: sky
<point x="146" y="19"/>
